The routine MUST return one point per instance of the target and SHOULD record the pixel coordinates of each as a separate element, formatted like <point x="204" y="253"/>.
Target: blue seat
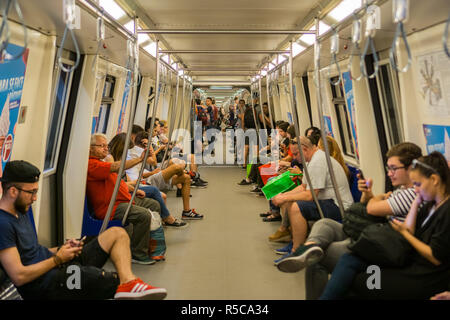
<point x="353" y="182"/>
<point x="91" y="225"/>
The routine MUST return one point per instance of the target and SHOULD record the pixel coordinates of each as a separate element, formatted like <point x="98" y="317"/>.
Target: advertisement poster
<point x="328" y="126"/>
<point x="438" y="139"/>
<point x="123" y="109"/>
<point x="434" y="83"/>
<point x="349" y="98"/>
<point x="12" y="76"/>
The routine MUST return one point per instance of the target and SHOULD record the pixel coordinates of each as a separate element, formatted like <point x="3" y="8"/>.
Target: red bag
<point x="267" y="171"/>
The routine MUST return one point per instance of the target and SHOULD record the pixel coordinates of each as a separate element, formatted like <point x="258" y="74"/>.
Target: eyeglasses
<point x="32" y="192"/>
<point x="393" y="169"/>
<point x="416" y="162"/>
<point x="100" y="145"/>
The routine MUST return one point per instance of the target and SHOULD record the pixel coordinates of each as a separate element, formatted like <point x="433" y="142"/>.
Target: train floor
<point x="226" y="255"/>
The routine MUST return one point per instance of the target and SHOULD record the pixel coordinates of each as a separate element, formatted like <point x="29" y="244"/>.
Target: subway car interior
<point x="225" y="107"/>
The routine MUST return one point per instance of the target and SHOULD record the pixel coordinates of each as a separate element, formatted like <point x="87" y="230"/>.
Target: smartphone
<point x="361" y="175"/>
<point x="401" y="219"/>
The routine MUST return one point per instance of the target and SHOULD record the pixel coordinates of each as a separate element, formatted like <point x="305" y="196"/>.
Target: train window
<point x="343" y="119"/>
<point x="105" y="107"/>
<point x="61" y="93"/>
<point x="387" y="91"/>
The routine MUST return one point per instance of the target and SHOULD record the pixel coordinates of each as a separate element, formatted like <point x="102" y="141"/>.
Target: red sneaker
<point x="138" y="289"/>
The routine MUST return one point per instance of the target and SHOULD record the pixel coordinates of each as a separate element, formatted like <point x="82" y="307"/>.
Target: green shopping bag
<point x="279" y="184"/>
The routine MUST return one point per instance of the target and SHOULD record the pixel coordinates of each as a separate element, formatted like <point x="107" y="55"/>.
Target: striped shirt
<point x="401" y="200"/>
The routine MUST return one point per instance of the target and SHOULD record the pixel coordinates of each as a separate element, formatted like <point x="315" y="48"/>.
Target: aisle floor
<point x="227" y="255"/>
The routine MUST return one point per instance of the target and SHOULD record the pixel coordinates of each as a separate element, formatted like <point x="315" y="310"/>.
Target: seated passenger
<point x="335" y="152"/>
<point x="327" y="237"/>
<point x="149" y="191"/>
<point x="136" y="129"/>
<point x="426" y="228"/>
<point x="101" y="179"/>
<point x="163" y="179"/>
<point x="41" y="273"/>
<point x="299" y="202"/>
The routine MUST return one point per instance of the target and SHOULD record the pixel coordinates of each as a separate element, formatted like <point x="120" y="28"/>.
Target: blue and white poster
<point x="123" y="109"/>
<point x="350" y="99"/>
<point x="12" y="76"/>
<point x="328" y="126"/>
<point x="438" y="139"/>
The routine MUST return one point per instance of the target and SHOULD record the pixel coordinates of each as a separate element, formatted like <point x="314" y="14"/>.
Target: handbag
<point x="356" y="219"/>
<point x="380" y="244"/>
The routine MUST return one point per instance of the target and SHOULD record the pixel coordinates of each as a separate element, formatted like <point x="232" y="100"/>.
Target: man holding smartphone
<point x="42" y="273"/>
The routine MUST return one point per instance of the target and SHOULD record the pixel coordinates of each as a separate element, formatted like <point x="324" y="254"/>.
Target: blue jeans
<point x="154" y="193"/>
<point x="344" y="273"/>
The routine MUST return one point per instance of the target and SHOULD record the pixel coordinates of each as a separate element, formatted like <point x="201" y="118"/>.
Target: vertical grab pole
<point x="260" y="102"/>
<point x="152" y="124"/>
<point x="127" y="140"/>
<point x="183" y="97"/>
<point x="322" y="121"/>
<point x="297" y="131"/>
<point x="172" y="119"/>
<point x="256" y="126"/>
<point x="268" y="98"/>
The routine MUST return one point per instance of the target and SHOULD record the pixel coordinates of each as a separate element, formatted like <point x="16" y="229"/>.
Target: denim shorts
<point x="310" y="212"/>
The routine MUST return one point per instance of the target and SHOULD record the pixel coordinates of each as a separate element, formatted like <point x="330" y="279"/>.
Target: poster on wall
<point x="349" y="98"/>
<point x="123" y="108"/>
<point x="434" y="83"/>
<point x="328" y="126"/>
<point x="438" y="139"/>
<point x="12" y="76"/>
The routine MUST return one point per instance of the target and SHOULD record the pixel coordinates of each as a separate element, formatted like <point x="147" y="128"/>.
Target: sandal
<point x="265" y="214"/>
<point x="272" y="218"/>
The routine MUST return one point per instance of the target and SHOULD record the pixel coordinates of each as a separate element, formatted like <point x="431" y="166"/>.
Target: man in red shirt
<point x="101" y="179"/>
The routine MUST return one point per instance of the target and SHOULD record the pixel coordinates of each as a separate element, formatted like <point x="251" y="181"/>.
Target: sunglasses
<point x="416" y="163"/>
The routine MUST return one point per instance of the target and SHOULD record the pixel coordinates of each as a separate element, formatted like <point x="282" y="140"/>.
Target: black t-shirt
<point x="19" y="233"/>
<point x="435" y="233"/>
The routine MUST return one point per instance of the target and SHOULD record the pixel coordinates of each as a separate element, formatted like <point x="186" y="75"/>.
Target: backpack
<point x="356" y="219"/>
<point x="157" y="245"/>
<point x="249" y="120"/>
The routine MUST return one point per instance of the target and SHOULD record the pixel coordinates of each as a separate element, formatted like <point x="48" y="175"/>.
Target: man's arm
<point x="379" y="206"/>
<point x="20" y="274"/>
<point x="115" y="166"/>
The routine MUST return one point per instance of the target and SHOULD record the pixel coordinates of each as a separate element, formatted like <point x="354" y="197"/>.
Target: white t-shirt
<point x="321" y="179"/>
<point x="133" y="153"/>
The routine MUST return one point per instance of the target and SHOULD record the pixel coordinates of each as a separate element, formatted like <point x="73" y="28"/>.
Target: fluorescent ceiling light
<point x="344" y="9"/>
<point x="166" y="58"/>
<point x="281" y="59"/>
<point x="311" y="38"/>
<point x="142" y="37"/>
<point x="296" y="48"/>
<point x="129" y="26"/>
<point x="221" y="87"/>
<point x="112" y="8"/>
<point x="151" y="48"/>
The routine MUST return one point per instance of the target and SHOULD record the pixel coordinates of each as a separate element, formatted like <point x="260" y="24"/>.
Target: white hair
<point x="97" y="135"/>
